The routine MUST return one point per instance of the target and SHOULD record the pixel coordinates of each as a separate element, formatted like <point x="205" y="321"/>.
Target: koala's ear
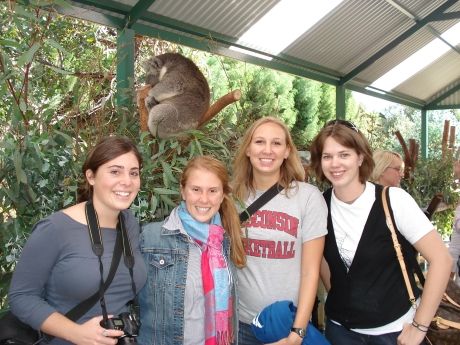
<point x="153" y="64"/>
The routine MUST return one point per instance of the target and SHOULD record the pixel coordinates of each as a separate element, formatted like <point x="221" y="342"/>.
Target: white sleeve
<point x="409" y="217"/>
<point x="454" y="245"/>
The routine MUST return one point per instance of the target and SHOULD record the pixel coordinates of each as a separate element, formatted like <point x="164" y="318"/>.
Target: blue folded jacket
<point x="275" y="322"/>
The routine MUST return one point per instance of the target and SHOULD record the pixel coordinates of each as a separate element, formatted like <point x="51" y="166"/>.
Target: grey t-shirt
<point x="276" y="233"/>
<point x="58" y="269"/>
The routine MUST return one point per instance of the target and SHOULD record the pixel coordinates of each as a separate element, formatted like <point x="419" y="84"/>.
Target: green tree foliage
<point x="307" y="100"/>
<point x="326" y="107"/>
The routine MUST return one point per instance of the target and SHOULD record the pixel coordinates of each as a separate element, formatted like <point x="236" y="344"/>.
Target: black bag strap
<point x="262" y="200"/>
<point x="96" y="243"/>
<point x="97" y="246"/>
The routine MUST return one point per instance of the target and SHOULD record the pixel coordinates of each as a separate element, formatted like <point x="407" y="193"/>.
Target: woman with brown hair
<point x="367" y="301"/>
<point x="191" y="257"/>
<point x="283" y="239"/>
<point x="58" y="268"/>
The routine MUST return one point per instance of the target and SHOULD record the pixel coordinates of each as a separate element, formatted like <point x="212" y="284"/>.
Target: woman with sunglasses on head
<point x="58" y="268"/>
<point x="368" y="301"/>
<point x="284" y="238"/>
<point x="389" y="168"/>
<point x="190" y="294"/>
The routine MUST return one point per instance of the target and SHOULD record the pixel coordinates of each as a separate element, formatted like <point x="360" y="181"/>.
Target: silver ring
<point x="105" y="333"/>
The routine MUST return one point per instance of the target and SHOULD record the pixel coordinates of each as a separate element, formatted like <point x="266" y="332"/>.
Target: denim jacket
<point x="165" y="250"/>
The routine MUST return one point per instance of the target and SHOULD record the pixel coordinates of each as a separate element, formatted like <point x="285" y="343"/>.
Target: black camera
<point x="126" y="322"/>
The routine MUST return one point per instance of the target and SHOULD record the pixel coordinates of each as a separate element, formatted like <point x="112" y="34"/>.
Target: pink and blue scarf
<point x="215" y="275"/>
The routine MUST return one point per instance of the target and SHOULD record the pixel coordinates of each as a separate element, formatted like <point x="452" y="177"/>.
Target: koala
<point x="179" y="95"/>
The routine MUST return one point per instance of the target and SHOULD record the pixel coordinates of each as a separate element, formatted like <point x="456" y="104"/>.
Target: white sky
<point x="370" y="103"/>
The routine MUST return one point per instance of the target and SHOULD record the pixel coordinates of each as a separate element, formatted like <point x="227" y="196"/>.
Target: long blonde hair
<point x="243" y="178"/>
<point x="227" y="210"/>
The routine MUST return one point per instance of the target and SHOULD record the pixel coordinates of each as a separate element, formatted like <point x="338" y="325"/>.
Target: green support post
<point x="424" y="135"/>
<point x="340" y="112"/>
<point x="125" y="67"/>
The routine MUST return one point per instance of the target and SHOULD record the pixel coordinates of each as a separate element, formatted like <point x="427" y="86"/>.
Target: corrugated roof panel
<point x="396" y="56"/>
<point x="454" y="99"/>
<point x="231" y="17"/>
<point x="426" y="83"/>
<point x="402" y="52"/>
<point x="348" y="37"/>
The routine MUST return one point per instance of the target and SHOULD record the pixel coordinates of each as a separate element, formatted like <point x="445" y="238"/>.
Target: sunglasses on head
<point x="345" y="123"/>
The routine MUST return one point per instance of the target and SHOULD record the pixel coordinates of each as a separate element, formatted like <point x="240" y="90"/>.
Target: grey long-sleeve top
<point x="58" y="269"/>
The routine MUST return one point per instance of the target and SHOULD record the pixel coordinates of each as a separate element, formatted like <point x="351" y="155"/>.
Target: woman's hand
<point x="410" y="335"/>
<point x="91" y="333"/>
<point x="291" y="339"/>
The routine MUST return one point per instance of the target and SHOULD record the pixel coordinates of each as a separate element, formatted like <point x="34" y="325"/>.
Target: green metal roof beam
<point x="125" y="67"/>
<point x="444" y="107"/>
<point x="392" y="97"/>
<point x="104" y="5"/>
<point x="446" y="16"/>
<point x="136" y="12"/>
<point x="424" y="134"/>
<point x="443" y="96"/>
<point x="92" y="16"/>
<point x="420" y="24"/>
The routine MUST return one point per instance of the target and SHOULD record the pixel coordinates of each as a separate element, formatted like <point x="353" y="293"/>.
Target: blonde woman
<point x="284" y="239"/>
<point x="389" y="168"/>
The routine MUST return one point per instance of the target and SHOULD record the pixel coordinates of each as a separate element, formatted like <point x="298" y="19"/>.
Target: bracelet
<point x="420" y="327"/>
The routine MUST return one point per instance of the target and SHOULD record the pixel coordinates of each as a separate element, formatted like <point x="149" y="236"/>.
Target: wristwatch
<point x="302" y="332"/>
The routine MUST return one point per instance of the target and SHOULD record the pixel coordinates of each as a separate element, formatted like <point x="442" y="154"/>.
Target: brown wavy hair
<point x="349" y="137"/>
<point x="106" y="149"/>
<point x="243" y="178"/>
<point x="227" y="210"/>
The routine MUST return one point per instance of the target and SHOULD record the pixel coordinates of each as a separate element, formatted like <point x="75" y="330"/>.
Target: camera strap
<point x="96" y="242"/>
<point x="98" y="249"/>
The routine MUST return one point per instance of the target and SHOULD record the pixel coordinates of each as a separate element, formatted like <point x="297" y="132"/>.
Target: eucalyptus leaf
<point x="59" y="70"/>
<point x="45" y="167"/>
<point x="167" y="200"/>
<point x="9" y="43"/>
<point x="67" y="138"/>
<point x="20" y="174"/>
<point x="22" y="105"/>
<point x="22" y="12"/>
<point x="27" y="57"/>
<point x="168" y="172"/>
<point x="153" y="204"/>
<point x="56" y="45"/>
<point x="165" y="191"/>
